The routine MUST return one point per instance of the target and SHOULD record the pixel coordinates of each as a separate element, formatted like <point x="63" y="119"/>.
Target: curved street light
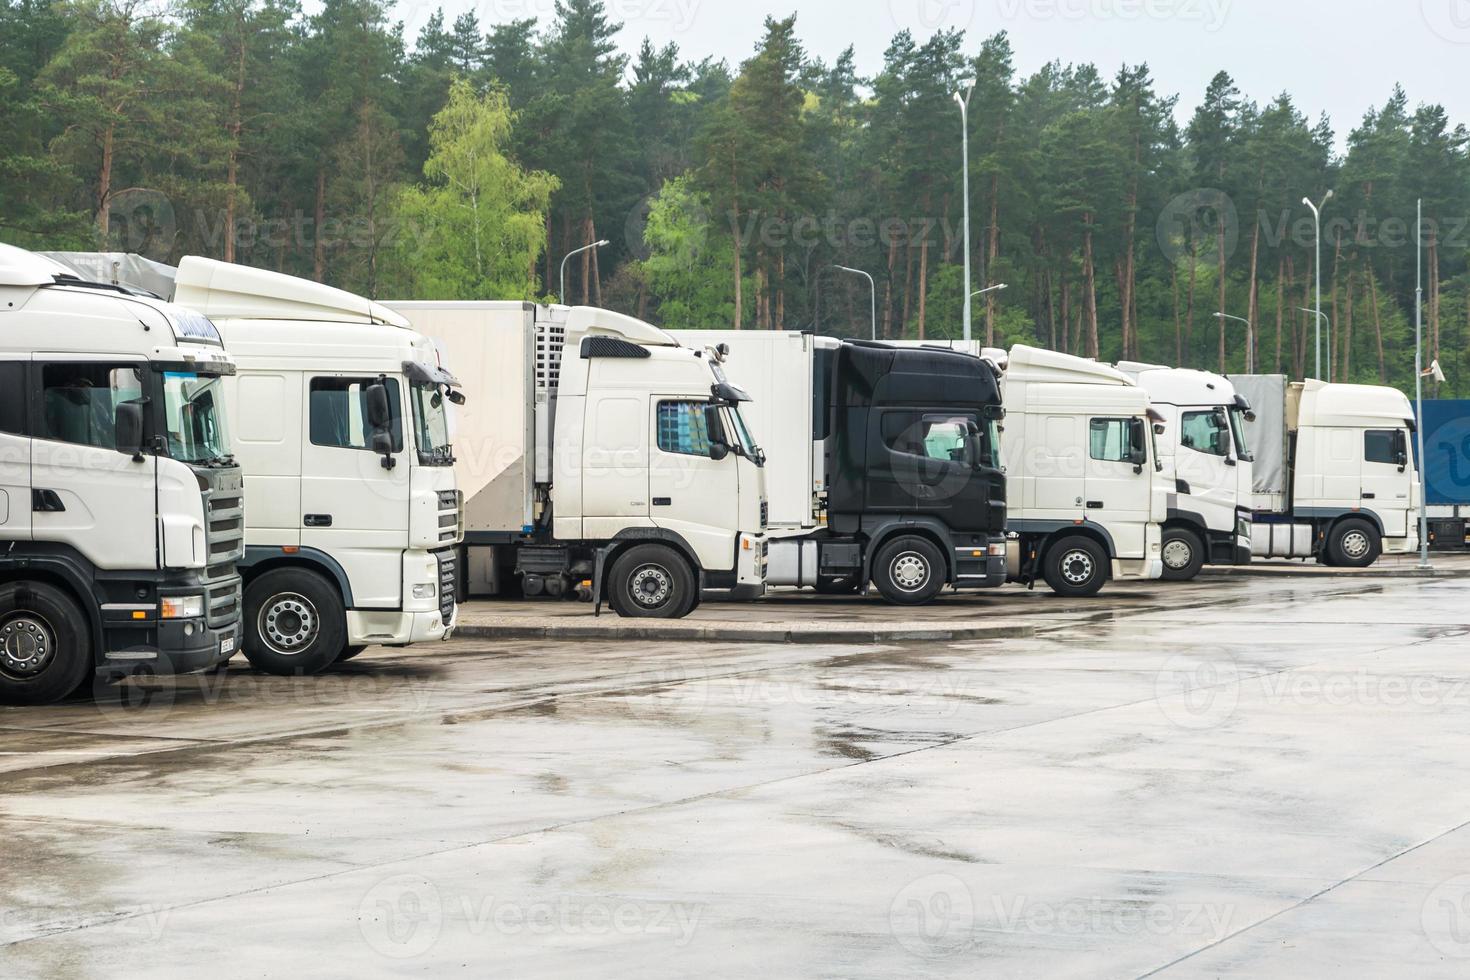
<point x="964" y="104"/>
<point x="1317" y="217"/>
<point x="1250" y="340"/>
<point x="575" y="251"/>
<point x="872" y="294"/>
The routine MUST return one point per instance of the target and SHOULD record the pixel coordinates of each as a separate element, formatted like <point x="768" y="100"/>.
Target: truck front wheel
<point x="1184" y="554"/>
<point x="295" y="623"/>
<point x="45" y="644"/>
<point x="1076" y="567"/>
<point x="652" y="581"/>
<point x="1354" y="543"/>
<point x="909" y="571"/>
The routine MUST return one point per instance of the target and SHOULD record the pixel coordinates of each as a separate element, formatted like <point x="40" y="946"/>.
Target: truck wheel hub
<point x="1355" y="544"/>
<point x="910" y="571"/>
<point x="650" y="585"/>
<point x="288" y="623"/>
<point x="26" y="645"/>
<point x="1177" y="554"/>
<point x="1077" y="567"/>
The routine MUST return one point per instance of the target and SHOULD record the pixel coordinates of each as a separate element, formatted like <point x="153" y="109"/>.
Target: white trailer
<point x="121" y="517"/>
<point x="1085" y="497"/>
<point x="599" y="458"/>
<point x="1334" y="474"/>
<point x="1208" y="467"/>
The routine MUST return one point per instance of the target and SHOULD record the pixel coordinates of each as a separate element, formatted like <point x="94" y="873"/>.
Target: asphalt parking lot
<point x="1255" y="775"/>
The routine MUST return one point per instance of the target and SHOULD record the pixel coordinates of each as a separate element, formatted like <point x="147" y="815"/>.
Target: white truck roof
<point x="19" y="267"/>
<point x="222" y="290"/>
<point x="1180" y="386"/>
<point x="1353" y="405"/>
<point x="1051" y="367"/>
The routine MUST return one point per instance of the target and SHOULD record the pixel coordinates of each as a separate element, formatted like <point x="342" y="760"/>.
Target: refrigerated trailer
<point x="599" y="458"/>
<point x="1207" y="467"/>
<point x="121" y="517"/>
<point x="1086" y="498"/>
<point x="1334" y="473"/>
<point x="883" y="462"/>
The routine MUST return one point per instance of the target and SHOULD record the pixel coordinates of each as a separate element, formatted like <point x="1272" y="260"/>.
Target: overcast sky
<point x="1337" y="56"/>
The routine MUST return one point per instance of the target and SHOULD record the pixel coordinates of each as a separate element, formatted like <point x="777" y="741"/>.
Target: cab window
<point x="1385" y="446"/>
<point x="1110" y="440"/>
<point x="933" y="437"/>
<point x="683" y="428"/>
<point x="13" y="398"/>
<point x="1205" y="432"/>
<point x="339" y="413"/>
<point x="79" y="401"/>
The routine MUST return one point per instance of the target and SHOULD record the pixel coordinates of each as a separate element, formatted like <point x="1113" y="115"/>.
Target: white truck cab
<point x="600" y="458"/>
<point x="354" y="513"/>
<point x="121" y="519"/>
<point x="1208" y="467"/>
<point x="1082" y="468"/>
<point x="1335" y="477"/>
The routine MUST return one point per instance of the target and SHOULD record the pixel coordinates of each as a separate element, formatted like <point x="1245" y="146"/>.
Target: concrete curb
<point x="737" y="633"/>
<point x="1321" y="571"/>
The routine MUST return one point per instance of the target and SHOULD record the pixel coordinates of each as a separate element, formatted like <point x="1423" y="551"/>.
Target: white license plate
<point x="227" y="645"/>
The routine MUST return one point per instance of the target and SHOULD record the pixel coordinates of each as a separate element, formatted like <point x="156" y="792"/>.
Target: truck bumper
<point x="982" y="568"/>
<point x="183" y="647"/>
<point x="371" y="627"/>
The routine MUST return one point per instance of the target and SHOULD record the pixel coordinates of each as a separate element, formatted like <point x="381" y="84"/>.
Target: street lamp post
<point x="872" y="295"/>
<point x="1419" y="382"/>
<point x="1250" y="340"/>
<point x="1317" y="217"/>
<point x="575" y="251"/>
<point x="964" y="104"/>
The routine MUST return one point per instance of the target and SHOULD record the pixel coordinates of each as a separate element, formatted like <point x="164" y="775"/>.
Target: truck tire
<point x="295" y="623"/>
<point x="1184" y="554"/>
<point x="1076" y="567"/>
<point x="1354" y="543"/>
<point x="652" y="581"/>
<point x="45" y="644"/>
<point x="909" y="571"/>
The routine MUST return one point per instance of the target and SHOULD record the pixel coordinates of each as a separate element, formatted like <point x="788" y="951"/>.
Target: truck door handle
<point x="46" y="502"/>
<point x="317" y="520"/>
<point x="1370" y="496"/>
<point x="1095" y="505"/>
<point x="663" y="501"/>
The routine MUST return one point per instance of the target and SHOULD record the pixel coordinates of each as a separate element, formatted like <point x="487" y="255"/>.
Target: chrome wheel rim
<point x="1355" y="544"/>
<point x="1178" y="554"/>
<point x="289" y="623"/>
<point x="27" y="645"/>
<point x="1077" y="567"/>
<point x="650" y="586"/>
<point x="909" y="571"/>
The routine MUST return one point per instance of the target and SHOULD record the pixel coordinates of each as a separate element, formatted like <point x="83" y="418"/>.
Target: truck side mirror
<point x="382" y="443"/>
<point x="128" y="428"/>
<point x="1401" y="449"/>
<point x="718" y="447"/>
<point x="379" y="414"/>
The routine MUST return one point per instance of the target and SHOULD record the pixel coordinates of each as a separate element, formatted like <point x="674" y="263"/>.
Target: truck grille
<point x="451" y="516"/>
<point x="448" y="583"/>
<point x="224" y="522"/>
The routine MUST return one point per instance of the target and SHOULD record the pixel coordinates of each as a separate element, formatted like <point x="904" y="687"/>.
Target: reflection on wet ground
<point x="1253" y="776"/>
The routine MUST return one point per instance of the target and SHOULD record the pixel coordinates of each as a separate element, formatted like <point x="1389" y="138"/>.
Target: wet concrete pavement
<point x="1263" y="777"/>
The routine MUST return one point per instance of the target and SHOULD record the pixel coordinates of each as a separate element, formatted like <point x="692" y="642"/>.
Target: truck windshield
<point x="194" y="418"/>
<point x="1237" y="428"/>
<point x="431" y="424"/>
<point x="742" y="433"/>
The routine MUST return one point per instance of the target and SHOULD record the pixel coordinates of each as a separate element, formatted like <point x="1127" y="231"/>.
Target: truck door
<point x="1053" y="467"/>
<point x="85" y="492"/>
<point x="615" y="437"/>
<point x="1203" y="461"/>
<point x="692" y="493"/>
<point x="353" y="507"/>
<point x="1119" y="481"/>
<point x="15" y="450"/>
<point x="1388" y="478"/>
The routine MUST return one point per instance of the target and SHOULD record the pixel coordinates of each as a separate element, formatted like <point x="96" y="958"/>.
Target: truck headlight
<point x="998" y="550"/>
<point x="425" y="591"/>
<point x="181" y="607"/>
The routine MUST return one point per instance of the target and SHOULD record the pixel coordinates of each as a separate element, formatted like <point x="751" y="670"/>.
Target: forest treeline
<point x="468" y="161"/>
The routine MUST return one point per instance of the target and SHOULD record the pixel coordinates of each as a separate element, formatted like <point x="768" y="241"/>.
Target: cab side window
<point x="1204" y="432"/>
<point x="1384" y="446"/>
<point x="1108" y="440"/>
<point x="339" y="413"/>
<point x="683" y="428"/>
<point x="79" y="401"/>
<point x="13" y="399"/>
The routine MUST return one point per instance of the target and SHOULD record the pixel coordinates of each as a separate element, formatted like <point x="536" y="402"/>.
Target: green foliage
<point x="475" y="228"/>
